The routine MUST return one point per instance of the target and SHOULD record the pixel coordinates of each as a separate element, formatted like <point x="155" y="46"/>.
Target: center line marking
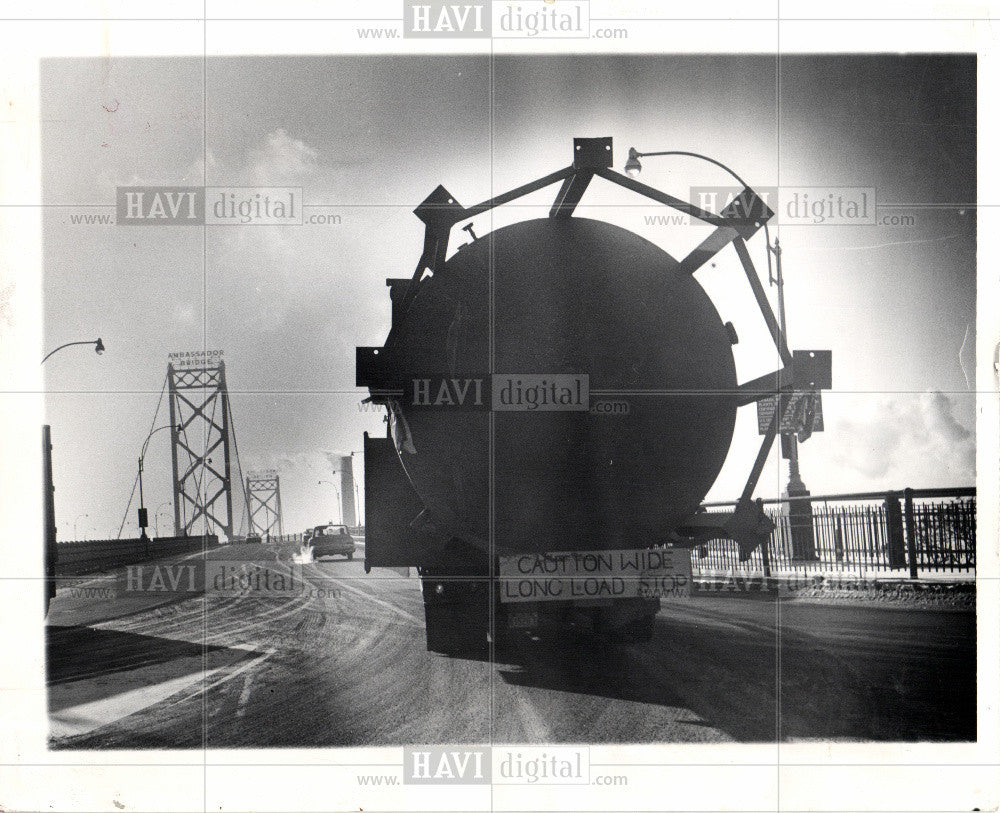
<point x="244" y="695"/>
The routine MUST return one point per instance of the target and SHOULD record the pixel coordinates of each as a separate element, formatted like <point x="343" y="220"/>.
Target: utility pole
<point x="49" y="517"/>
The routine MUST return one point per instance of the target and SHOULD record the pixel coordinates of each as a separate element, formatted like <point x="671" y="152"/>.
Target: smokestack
<point x="347" y="490"/>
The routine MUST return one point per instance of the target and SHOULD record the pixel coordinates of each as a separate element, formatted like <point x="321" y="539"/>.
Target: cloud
<point x="938" y="412"/>
<point x="908" y="441"/>
<point x="184" y="314"/>
<point x="282" y="160"/>
<point x="271" y="263"/>
<point x="333" y="458"/>
<point x="201" y="171"/>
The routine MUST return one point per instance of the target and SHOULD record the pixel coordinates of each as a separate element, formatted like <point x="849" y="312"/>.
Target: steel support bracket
<point x="439" y="212"/>
<point x="570" y="192"/>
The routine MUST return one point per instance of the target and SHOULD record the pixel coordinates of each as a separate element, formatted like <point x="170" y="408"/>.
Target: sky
<point x="367" y="138"/>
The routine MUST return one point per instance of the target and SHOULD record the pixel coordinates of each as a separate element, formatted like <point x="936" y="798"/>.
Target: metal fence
<point x="909" y="532"/>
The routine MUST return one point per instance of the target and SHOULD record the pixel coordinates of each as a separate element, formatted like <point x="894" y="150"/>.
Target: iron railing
<point x="74" y="558"/>
<point x="904" y="532"/>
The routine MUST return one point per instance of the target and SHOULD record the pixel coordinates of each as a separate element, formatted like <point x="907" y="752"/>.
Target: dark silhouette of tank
<point x="557" y="385"/>
<point x="569" y="296"/>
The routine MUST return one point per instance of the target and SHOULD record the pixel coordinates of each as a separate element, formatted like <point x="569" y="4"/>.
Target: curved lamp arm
<point x="633" y="165"/>
<point x="98" y="347"/>
<point x="145" y="444"/>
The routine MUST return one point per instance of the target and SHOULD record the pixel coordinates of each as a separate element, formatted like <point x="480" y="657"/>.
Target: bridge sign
<point x="195" y="358"/>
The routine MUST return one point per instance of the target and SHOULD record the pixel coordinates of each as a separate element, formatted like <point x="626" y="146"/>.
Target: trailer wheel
<point x="457" y="616"/>
<point x="456" y="630"/>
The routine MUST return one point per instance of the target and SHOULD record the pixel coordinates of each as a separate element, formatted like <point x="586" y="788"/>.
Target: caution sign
<point x="803" y="416"/>
<point x="606" y="574"/>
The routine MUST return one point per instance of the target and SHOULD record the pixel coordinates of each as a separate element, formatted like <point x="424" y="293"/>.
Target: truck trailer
<point x="560" y="396"/>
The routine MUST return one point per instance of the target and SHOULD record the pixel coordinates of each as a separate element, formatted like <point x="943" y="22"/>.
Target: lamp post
<point x="790" y="442"/>
<point x="357" y="493"/>
<point x="48" y="488"/>
<point x="800" y="512"/>
<point x="336" y="488"/>
<point x="143" y="514"/>
<point x="98" y="347"/>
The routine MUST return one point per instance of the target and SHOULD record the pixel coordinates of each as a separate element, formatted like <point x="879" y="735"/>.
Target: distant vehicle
<point x="253" y="539"/>
<point x="331" y="540"/>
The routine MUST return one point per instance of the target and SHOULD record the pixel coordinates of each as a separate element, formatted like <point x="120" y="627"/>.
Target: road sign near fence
<point x="805" y="409"/>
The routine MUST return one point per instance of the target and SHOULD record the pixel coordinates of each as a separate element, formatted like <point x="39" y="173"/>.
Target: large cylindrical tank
<point x="567" y="296"/>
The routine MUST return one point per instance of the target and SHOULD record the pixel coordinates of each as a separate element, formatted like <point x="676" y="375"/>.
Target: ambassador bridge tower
<point x="201" y="436"/>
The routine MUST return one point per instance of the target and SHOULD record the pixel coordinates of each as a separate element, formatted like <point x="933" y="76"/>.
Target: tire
<point x="458" y="627"/>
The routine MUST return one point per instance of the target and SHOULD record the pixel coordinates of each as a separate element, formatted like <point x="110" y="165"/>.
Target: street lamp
<point x="633" y="167"/>
<point x="789" y="440"/>
<point x="76" y="521"/>
<point x="48" y="489"/>
<point x="796" y="488"/>
<point x="340" y="508"/>
<point x="98" y="347"/>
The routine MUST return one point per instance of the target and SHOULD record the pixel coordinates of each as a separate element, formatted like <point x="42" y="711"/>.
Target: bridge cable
<point x="239" y="468"/>
<point x="136" y="482"/>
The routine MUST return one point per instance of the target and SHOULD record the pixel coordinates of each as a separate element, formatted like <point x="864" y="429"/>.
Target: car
<point x="253" y="539"/>
<point x="331" y="540"/>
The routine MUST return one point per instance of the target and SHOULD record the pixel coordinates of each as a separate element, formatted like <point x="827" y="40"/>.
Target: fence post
<point x="894" y="531"/>
<point x="800" y="524"/>
<point x="765" y="557"/>
<point x="911" y="532"/>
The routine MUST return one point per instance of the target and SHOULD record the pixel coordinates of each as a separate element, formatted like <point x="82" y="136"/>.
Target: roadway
<point x="339" y="659"/>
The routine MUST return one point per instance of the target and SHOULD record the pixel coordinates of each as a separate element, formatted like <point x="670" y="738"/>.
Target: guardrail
<point x="906" y="532"/>
<point x="74" y="558"/>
